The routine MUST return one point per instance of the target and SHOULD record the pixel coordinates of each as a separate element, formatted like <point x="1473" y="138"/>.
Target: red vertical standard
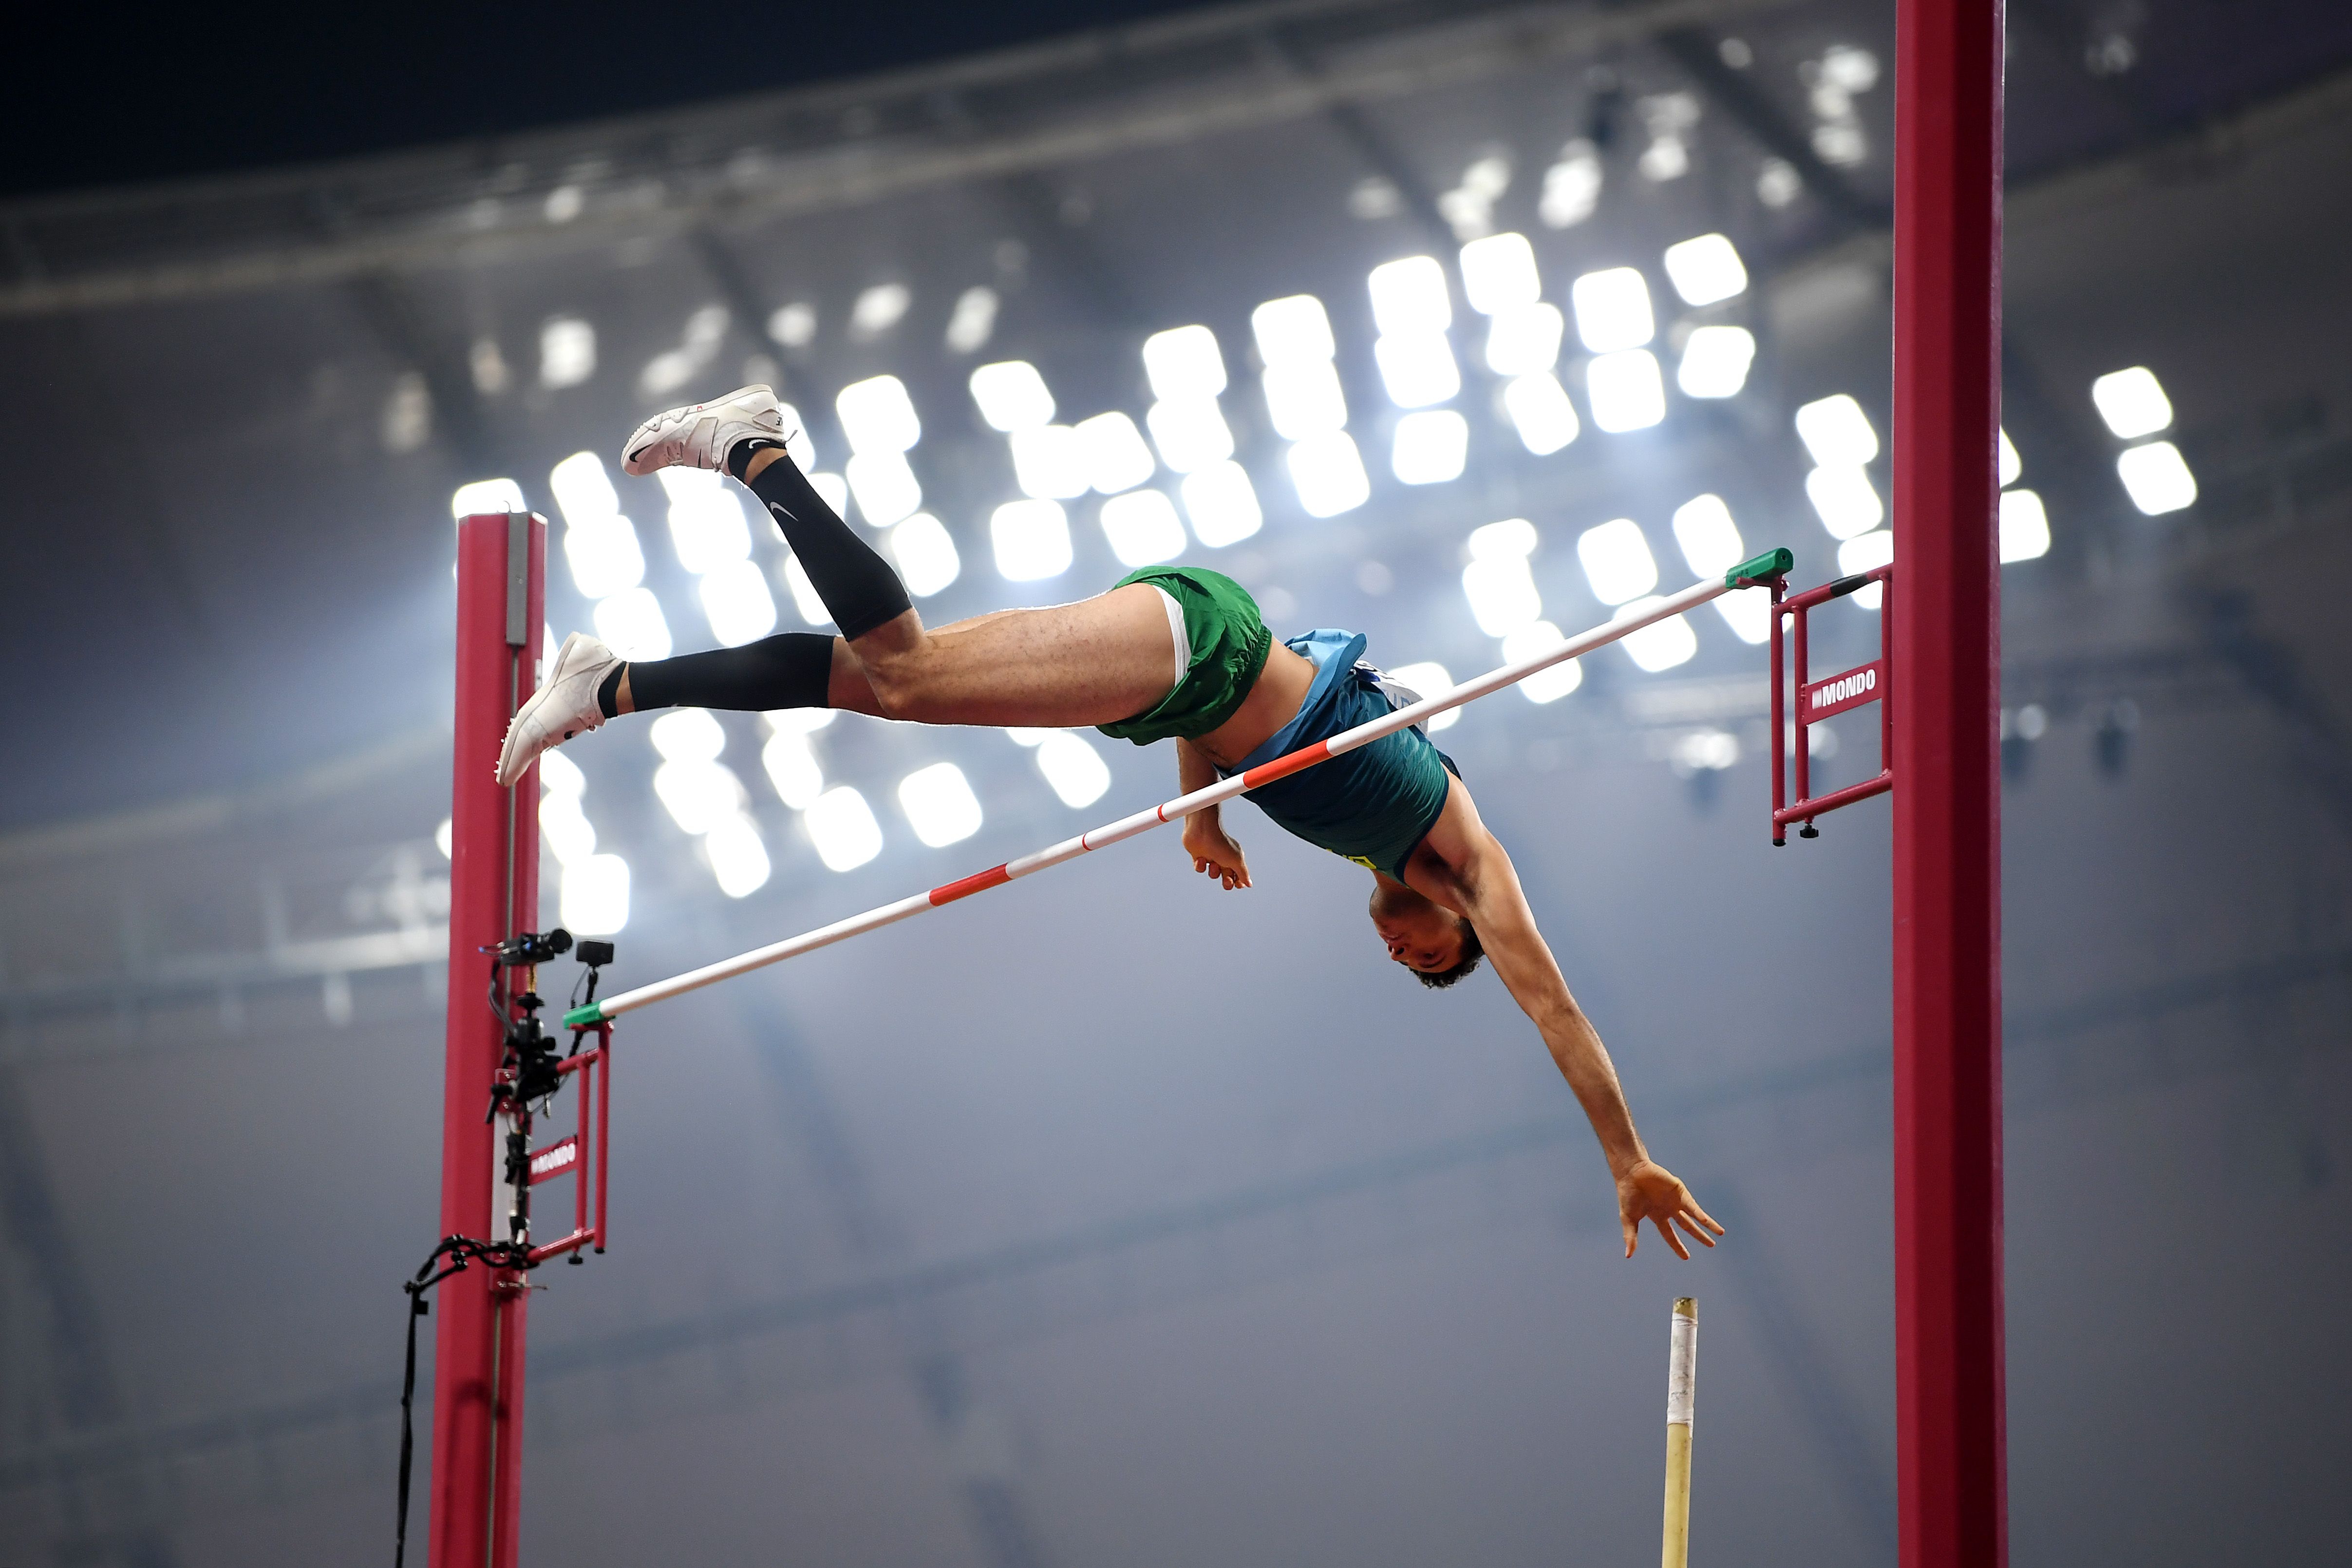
<point x="493" y="892"/>
<point x="1950" y="1402"/>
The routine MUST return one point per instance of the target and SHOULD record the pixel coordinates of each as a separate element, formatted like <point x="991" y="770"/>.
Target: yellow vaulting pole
<point x="1682" y="1381"/>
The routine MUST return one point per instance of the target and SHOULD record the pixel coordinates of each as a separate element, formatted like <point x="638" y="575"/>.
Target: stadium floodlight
<point x="688" y="735"/>
<point x="878" y="416"/>
<point x="1012" y="395"/>
<point x="604" y="555"/>
<point x="1303" y="398"/>
<point x="1431" y="447"/>
<point x="1502" y="594"/>
<point x="1660" y="645"/>
<point x="878" y="308"/>
<point x="1183" y="363"/>
<point x="2024" y="527"/>
<point x="1626" y="390"/>
<point x="1548" y="685"/>
<point x="1837" y="432"/>
<point x="708" y="528"/>
<point x="736" y="601"/>
<point x="793" y="325"/>
<point x="2011" y="466"/>
<point x="684" y="484"/>
<point x="806" y="598"/>
<point x="698" y="795"/>
<point x="1512" y="538"/>
<point x="631" y="624"/>
<point x="1541" y="413"/>
<point x="833" y="490"/>
<point x="973" y="322"/>
<point x="1715" y="362"/>
<point x="885" y="486"/>
<point x="1031" y="539"/>
<point x="487" y="496"/>
<point x="925" y="554"/>
<point x="939" y="802"/>
<point x="1617" y="560"/>
<point x="559" y="775"/>
<point x="594" y="897"/>
<point x="1845" y="499"/>
<point x="1116" y="457"/>
<point x="791" y="767"/>
<point x="1710" y="540"/>
<point x="1866" y="552"/>
<point x="1571" y="187"/>
<point x="1328" y="473"/>
<point x="1049" y="462"/>
<point x="2132" y="402"/>
<point x="1706" y="270"/>
<point x="567" y="352"/>
<point x="1409" y="297"/>
<point x="1525" y="339"/>
<point x="1143" y="528"/>
<point x="1750" y="616"/>
<point x="1222" y="504"/>
<point x="1498" y="274"/>
<point x="584" y="490"/>
<point x="1418" y="368"/>
<point x="1074" y="768"/>
<point x="1292" y="330"/>
<point x="2157" y="478"/>
<point x="1427" y="679"/>
<point x="798" y="720"/>
<point x="565" y="827"/>
<point x="738" y="857"/>
<point x="1612" y="310"/>
<point x="842" y="827"/>
<point x="1190" y="433"/>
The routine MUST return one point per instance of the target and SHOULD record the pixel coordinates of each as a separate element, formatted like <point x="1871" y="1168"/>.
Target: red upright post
<point x="493" y="894"/>
<point x="1951" y="1459"/>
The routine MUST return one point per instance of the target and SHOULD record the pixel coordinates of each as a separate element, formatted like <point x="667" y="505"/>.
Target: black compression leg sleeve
<point x="859" y="590"/>
<point x="791" y="669"/>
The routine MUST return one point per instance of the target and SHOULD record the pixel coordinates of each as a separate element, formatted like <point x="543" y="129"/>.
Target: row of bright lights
<point x="708" y="800"/>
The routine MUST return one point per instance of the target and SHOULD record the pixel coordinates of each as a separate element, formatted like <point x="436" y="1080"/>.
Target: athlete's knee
<point x="905" y="685"/>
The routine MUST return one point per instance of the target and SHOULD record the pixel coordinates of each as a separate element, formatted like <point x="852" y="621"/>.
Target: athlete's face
<point x="1418" y="933"/>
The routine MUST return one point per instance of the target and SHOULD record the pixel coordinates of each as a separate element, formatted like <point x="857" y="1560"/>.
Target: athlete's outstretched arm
<point x="1465" y="864"/>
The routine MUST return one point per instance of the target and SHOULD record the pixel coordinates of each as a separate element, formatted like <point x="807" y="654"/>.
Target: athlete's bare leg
<point x="1095" y="662"/>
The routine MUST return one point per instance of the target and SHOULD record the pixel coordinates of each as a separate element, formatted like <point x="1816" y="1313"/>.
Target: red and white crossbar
<point x="1760" y="571"/>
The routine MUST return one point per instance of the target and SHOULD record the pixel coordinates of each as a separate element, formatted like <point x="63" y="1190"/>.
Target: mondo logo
<point x="1861" y="683"/>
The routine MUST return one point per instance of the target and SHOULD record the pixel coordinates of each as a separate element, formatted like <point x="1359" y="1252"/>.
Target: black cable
<point x="463" y="1250"/>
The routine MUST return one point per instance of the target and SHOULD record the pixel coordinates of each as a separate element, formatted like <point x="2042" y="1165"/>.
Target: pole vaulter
<point x="1759" y="572"/>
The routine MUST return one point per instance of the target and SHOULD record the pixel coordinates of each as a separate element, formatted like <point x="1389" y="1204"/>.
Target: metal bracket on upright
<point x="1820" y="700"/>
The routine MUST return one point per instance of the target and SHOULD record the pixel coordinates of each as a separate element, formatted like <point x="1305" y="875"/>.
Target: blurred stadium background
<point x="1118" y="1222"/>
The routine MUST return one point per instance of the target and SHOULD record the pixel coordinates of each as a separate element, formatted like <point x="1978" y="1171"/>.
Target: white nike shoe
<point x="562" y="708"/>
<point x="700" y="434"/>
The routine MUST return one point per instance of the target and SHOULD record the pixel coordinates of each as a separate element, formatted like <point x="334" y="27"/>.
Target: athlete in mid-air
<point x="1170" y="652"/>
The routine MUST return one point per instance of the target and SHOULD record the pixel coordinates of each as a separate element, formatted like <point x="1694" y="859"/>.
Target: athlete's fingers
<point x="1633" y="1229"/>
<point x="1690" y="1205"/>
<point x="1671" y="1239"/>
<point x="1696" y="1235"/>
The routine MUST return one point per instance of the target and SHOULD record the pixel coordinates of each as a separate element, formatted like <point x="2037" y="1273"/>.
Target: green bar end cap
<point x="584" y="1017"/>
<point x="1763" y="569"/>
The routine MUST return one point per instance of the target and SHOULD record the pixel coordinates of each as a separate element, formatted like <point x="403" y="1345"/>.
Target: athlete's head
<point x="1438" y="945"/>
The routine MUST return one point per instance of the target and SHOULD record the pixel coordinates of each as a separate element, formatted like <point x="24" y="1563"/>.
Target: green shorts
<point x="1227" y="646"/>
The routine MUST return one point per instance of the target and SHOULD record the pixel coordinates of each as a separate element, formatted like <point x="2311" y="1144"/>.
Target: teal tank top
<point x="1372" y="806"/>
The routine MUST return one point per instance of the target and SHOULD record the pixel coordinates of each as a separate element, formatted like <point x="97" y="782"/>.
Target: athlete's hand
<point x="1649" y="1191"/>
<point x="1213" y="854"/>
